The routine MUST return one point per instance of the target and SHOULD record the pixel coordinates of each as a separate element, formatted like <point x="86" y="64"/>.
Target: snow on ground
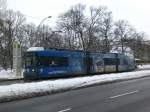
<point x="8" y="74"/>
<point x="144" y="66"/>
<point x="5" y="74"/>
<point x="26" y="89"/>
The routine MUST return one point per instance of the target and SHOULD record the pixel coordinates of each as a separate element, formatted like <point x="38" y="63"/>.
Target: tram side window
<point x="44" y="61"/>
<point x="111" y="61"/>
<point x="125" y="61"/>
<point x="99" y="63"/>
<point x="118" y="61"/>
<point x="54" y="61"/>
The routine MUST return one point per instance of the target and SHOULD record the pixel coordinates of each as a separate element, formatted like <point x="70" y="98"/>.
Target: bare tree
<point x="10" y="28"/>
<point x="27" y="35"/>
<point x="92" y="27"/>
<point x="123" y="31"/>
<point x="139" y="45"/>
<point x="72" y="24"/>
<point x="3" y="5"/>
<point x="3" y="53"/>
<point x="99" y="28"/>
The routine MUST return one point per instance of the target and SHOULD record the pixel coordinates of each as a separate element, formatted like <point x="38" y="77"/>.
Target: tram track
<point x="11" y="81"/>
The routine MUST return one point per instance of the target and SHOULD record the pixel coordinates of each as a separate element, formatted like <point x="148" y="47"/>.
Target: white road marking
<point x="128" y="93"/>
<point x="65" y="110"/>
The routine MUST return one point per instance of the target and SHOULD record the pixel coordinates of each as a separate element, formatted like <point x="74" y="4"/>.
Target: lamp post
<point x="39" y="27"/>
<point x="43" y="21"/>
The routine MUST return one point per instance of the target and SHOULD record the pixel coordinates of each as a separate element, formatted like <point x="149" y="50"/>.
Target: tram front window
<point x="30" y="60"/>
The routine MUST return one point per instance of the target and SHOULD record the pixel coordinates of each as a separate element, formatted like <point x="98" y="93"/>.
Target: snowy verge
<point x="8" y="75"/>
<point x="26" y="90"/>
<point x="144" y="66"/>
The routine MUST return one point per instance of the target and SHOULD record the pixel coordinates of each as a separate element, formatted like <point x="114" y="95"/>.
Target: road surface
<point x="126" y="96"/>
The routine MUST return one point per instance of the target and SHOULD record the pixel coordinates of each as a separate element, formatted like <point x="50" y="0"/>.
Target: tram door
<point x="89" y="64"/>
<point x="117" y="62"/>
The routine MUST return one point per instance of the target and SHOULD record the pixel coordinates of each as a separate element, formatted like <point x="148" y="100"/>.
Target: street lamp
<point x="39" y="27"/>
<point x="43" y="21"/>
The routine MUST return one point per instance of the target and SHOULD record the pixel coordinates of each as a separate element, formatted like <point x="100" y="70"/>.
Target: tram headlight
<point x="33" y="70"/>
<point x="41" y="70"/>
<point x="27" y="70"/>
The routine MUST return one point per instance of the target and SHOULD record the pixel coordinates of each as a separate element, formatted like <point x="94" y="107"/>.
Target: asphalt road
<point x="126" y="96"/>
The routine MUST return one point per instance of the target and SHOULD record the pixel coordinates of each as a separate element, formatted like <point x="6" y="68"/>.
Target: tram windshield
<point x="30" y="59"/>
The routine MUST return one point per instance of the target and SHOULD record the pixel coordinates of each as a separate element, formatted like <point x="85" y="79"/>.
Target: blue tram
<point x="59" y="63"/>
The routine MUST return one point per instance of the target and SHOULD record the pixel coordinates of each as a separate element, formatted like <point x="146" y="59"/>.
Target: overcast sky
<point x="137" y="12"/>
